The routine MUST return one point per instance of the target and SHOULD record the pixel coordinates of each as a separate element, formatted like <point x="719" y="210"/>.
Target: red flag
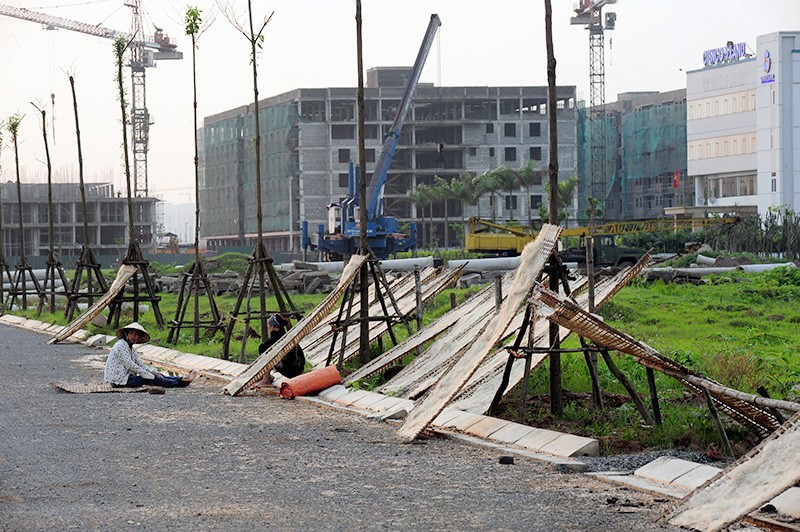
<point x="675" y="179"/>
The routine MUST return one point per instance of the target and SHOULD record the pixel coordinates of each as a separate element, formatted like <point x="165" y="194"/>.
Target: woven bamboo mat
<point x="93" y="387"/>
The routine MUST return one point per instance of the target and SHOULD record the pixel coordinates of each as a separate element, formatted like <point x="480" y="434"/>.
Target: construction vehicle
<point x="144" y="53"/>
<point x="511" y="240"/>
<point x="383" y="232"/>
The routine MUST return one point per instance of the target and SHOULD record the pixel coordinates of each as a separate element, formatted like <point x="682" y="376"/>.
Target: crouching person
<point x="125" y="368"/>
<point x="293" y="363"/>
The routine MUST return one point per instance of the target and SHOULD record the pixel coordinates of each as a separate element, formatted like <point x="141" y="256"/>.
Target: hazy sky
<point x="311" y="43"/>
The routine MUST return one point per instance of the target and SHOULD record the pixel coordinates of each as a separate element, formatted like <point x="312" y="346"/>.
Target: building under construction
<point x="309" y="137"/>
<point x="645" y="155"/>
<point x="107" y="215"/>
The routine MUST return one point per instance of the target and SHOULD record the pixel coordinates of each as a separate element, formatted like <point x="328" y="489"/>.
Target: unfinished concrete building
<point x="107" y="214"/>
<point x="645" y="149"/>
<point x="310" y="135"/>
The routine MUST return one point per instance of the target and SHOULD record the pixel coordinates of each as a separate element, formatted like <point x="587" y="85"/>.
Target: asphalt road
<point x="194" y="459"/>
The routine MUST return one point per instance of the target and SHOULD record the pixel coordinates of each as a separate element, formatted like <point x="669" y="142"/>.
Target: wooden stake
<point x="627" y="385"/>
<point x="718" y="423"/>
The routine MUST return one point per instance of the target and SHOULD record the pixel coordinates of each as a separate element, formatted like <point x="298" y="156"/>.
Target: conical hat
<point x="143" y="339"/>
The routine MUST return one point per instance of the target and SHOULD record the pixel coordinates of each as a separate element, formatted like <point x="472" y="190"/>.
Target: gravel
<point x="193" y="459"/>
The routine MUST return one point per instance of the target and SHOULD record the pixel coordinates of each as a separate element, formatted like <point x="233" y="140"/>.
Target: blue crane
<point x="383" y="232"/>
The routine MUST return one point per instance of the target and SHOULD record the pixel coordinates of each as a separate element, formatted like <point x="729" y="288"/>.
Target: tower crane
<point x="145" y="51"/>
<point x="589" y="14"/>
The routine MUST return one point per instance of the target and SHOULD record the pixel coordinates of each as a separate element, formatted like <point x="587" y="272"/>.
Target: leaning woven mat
<point x="103" y="387"/>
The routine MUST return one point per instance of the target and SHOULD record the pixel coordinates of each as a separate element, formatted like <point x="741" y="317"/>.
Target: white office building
<point x="743" y="124"/>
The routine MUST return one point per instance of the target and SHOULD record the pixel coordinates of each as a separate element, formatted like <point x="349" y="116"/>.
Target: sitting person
<point x="124" y="367"/>
<point x="294" y="362"/>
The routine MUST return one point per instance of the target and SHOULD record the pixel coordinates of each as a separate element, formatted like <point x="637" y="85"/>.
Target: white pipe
<point x="386" y="265"/>
<point x="484" y="265"/>
<point x="706" y="261"/>
<point x="757" y="268"/>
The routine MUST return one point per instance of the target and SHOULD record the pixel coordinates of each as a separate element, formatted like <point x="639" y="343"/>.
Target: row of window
<point x="728" y="187"/>
<point x="385" y="110"/>
<point x="736" y="102"/>
<point x="722" y="146"/>
<point x="425" y="135"/>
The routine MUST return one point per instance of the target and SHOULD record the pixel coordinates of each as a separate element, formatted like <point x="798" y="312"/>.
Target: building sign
<point x="726" y="54"/>
<point x="767" y="77"/>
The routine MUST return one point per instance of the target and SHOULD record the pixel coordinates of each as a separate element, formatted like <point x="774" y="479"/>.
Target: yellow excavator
<point x="490" y="238"/>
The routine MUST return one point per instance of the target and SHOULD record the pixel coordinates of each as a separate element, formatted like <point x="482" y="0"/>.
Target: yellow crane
<point x="511" y="240"/>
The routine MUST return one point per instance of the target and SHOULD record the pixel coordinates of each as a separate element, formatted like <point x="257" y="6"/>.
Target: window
<point x="344" y="155"/>
<point x="313" y="110"/>
<point x="490" y="128"/>
<point x="511" y="202"/>
<point x="536" y="201"/>
<point x="510" y="154"/>
<point x="369" y="155"/>
<point x="473" y="152"/>
<point x="774" y="183"/>
<point x="491" y="152"/>
<point x="343" y="180"/>
<point x="535" y="153"/>
<point x="535" y="129"/>
<point x="510" y="130"/>
<point x="341" y="132"/>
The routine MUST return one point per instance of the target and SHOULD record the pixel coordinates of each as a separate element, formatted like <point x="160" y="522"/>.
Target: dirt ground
<point x="197" y="460"/>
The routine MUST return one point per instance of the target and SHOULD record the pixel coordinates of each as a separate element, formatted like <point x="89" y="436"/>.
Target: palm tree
<point x="443" y="192"/>
<point x="506" y="179"/>
<point x="527" y="176"/>
<point x="487" y="182"/>
<point x="564" y="193"/>
<point x="465" y="189"/>
<point x="420" y="196"/>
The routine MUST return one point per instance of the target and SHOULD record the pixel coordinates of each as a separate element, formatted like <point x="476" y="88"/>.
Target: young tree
<point x="13" y="128"/>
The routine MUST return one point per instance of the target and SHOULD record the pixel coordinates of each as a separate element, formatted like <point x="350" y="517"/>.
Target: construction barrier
<point x="310" y="382"/>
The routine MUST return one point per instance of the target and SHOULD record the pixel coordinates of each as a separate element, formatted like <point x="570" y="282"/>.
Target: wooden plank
<point x="267" y="360"/>
<point x="533" y="259"/>
<point x="443" y="352"/>
<point x="767" y="471"/>
<point x="124" y="273"/>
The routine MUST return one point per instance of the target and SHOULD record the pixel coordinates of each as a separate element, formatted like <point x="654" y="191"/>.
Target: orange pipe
<point x="310" y="382"/>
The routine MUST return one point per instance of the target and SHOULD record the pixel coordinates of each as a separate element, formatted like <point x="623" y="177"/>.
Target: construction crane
<point x="383" y="232"/>
<point x="144" y="52"/>
<point x="589" y="14"/>
<point x="509" y="241"/>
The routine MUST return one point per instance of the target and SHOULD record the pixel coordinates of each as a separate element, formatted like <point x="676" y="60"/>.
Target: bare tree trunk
<point x="80" y="166"/>
<point x="556" y="404"/>
<point x="363" y="346"/>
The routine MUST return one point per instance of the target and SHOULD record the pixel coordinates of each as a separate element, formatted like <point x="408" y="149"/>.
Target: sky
<point x="312" y="43"/>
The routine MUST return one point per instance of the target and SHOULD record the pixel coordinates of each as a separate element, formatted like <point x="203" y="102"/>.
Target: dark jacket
<point x="293" y="363"/>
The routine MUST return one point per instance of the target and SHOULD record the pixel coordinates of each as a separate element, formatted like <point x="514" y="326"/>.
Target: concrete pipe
<point x="757" y="268"/>
<point x="486" y="265"/>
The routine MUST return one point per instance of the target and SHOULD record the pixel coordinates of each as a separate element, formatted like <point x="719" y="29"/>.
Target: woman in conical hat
<point x="124" y="366"/>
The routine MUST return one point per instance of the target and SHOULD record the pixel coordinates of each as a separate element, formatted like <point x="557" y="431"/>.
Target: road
<point x="193" y="459"/>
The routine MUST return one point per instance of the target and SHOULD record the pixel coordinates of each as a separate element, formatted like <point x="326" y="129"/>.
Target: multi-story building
<point x="743" y="115"/>
<point x="309" y="136"/>
<point x="107" y="215"/>
<point x="645" y="155"/>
